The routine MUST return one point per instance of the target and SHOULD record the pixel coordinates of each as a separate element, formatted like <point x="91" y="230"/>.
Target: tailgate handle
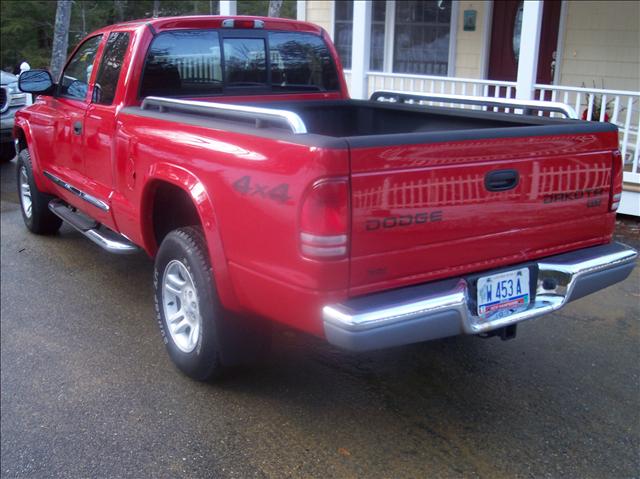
<point x="501" y="180"/>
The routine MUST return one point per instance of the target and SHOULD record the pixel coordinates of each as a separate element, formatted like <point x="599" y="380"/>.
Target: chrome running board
<point x="101" y="235"/>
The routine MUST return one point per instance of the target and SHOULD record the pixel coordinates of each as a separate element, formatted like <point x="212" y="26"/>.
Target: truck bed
<point x="368" y="123"/>
<point x="357" y="118"/>
<point x="423" y="206"/>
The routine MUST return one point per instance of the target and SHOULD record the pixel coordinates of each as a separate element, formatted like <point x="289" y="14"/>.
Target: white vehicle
<point x="11" y="100"/>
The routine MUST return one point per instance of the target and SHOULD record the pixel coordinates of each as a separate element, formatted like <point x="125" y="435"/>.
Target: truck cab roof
<point x="195" y="22"/>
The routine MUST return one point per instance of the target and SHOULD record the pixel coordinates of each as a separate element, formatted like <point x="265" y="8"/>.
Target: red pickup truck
<point x="229" y="150"/>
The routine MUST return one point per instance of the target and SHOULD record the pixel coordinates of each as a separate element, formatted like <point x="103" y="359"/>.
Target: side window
<point x="183" y="63"/>
<point x="110" y="66"/>
<point x="75" y="78"/>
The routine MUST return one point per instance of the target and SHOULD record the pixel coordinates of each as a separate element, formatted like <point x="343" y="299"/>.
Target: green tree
<point x="60" y="37"/>
<point x="26" y="33"/>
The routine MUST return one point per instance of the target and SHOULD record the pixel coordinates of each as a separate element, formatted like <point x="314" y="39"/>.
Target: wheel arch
<point x="22" y="133"/>
<point x="165" y="178"/>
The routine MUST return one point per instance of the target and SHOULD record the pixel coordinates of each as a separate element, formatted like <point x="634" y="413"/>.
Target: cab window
<point x="245" y="62"/>
<point x="206" y="62"/>
<point x="183" y="63"/>
<point x="104" y="90"/>
<point x="301" y="62"/>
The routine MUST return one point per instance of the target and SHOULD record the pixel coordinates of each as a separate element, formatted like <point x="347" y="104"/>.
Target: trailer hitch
<point x="505" y="333"/>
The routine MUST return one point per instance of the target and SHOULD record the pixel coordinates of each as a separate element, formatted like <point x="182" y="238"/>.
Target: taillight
<point x="324" y="220"/>
<point x="616" y="181"/>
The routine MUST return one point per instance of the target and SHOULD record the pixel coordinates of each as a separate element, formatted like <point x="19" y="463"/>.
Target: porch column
<point x="360" y="48"/>
<point x="529" y="43"/>
<point x="301" y="10"/>
<point x="228" y="7"/>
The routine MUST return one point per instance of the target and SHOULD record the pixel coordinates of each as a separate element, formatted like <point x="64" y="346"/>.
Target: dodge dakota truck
<point x="228" y="149"/>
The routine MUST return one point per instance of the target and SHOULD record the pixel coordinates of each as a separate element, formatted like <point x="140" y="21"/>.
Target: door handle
<point x="501" y="180"/>
<point x="77" y="127"/>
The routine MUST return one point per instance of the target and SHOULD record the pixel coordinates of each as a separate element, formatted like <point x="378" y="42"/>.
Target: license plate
<point x="503" y="294"/>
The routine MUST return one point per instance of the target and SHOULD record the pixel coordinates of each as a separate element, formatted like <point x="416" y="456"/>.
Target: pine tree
<point x="60" y="37"/>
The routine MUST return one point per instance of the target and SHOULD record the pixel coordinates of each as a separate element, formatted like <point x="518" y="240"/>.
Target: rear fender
<point x="203" y="203"/>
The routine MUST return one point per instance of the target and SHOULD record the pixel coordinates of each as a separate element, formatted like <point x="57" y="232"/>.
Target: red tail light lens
<point x="616" y="181"/>
<point x="324" y="220"/>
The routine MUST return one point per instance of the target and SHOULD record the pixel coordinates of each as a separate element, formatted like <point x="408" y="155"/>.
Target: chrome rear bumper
<point x="446" y="308"/>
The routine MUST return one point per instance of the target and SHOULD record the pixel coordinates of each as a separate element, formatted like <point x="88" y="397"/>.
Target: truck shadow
<point x="452" y="401"/>
<point x="473" y="406"/>
<point x="8" y="188"/>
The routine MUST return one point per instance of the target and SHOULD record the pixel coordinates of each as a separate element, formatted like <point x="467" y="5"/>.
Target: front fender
<point x="22" y="131"/>
<point x="196" y="190"/>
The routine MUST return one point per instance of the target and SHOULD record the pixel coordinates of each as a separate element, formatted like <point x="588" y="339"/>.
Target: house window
<point x="343" y="33"/>
<point x="421" y="39"/>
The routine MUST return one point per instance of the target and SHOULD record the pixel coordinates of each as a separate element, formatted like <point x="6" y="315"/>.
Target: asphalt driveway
<point x="88" y="391"/>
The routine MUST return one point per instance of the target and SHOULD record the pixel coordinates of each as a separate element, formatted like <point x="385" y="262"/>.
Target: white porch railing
<point x="202" y="67"/>
<point x="622" y="109"/>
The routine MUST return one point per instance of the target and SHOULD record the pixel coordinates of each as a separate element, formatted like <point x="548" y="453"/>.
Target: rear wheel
<point x="200" y="335"/>
<point x="34" y="204"/>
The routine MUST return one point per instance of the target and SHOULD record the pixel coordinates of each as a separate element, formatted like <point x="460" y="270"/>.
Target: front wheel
<point x="34" y="204"/>
<point x="200" y="335"/>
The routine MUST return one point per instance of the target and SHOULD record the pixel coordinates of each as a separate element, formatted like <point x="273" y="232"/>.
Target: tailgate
<point x="429" y="211"/>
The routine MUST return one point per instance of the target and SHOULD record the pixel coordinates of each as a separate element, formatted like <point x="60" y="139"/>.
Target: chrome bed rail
<point x="261" y="117"/>
<point x="392" y="96"/>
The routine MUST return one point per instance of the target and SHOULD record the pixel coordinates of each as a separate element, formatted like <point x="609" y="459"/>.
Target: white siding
<point x="469" y="45"/>
<point x="602" y="45"/>
<point x="320" y="12"/>
<point x="601" y="41"/>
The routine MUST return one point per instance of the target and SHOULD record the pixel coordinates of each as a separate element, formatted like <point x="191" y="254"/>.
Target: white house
<point x="582" y="53"/>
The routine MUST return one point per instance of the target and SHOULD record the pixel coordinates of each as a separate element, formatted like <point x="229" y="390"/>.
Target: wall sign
<point x="470" y="20"/>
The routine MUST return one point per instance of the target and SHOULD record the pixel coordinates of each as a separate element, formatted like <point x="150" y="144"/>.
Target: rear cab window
<point x="245" y="62"/>
<point x="301" y="62"/>
<point x="183" y="63"/>
<point x="192" y="63"/>
<point x="104" y="90"/>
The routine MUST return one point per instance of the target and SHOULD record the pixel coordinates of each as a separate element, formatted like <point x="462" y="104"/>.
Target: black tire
<point x="42" y="221"/>
<point x="223" y="337"/>
<point x="7" y="152"/>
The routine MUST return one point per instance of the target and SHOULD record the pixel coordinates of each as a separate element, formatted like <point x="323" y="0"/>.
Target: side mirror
<point x="35" y="81"/>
